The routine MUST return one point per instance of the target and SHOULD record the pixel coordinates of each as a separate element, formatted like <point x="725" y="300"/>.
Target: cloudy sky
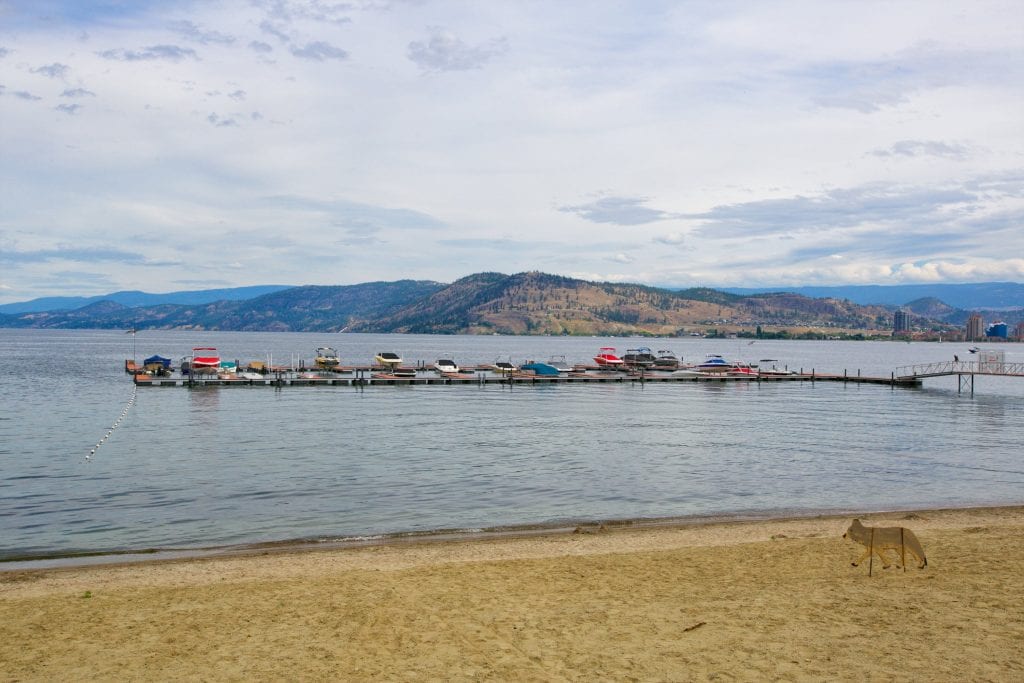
<point x="161" y="145"/>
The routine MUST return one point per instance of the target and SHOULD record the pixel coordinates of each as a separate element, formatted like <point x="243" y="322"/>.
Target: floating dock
<point x="361" y="378"/>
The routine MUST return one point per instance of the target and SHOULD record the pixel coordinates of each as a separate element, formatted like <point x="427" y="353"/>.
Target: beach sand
<point x="756" y="600"/>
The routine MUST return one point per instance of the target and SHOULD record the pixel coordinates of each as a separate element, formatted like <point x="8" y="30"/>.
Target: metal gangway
<point x="965" y="370"/>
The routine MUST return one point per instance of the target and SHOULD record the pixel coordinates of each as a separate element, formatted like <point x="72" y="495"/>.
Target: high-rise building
<point x="975" y="327"/>
<point x="1018" y="332"/>
<point x="900" y="323"/>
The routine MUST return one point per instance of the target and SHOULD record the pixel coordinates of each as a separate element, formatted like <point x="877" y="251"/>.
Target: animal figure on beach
<point x="881" y="538"/>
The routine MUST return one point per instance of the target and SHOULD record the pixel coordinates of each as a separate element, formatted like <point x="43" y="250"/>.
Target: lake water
<point x="232" y="465"/>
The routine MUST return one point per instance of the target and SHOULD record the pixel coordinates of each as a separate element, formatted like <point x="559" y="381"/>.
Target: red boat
<point x="606" y="358"/>
<point x="205" y="357"/>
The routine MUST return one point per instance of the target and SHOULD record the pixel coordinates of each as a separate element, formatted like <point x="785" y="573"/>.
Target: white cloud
<point x="680" y="143"/>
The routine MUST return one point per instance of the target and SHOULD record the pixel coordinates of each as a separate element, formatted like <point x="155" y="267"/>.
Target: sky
<point x="163" y="146"/>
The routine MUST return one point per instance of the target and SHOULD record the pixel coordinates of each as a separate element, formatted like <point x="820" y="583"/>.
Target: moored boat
<point x="560" y="363"/>
<point x="714" y="364"/>
<point x="540" y="369"/>
<point x="503" y="367"/>
<point x="388" y="359"/>
<point x="203" y="361"/>
<point x="327" y="358"/>
<point x="445" y="365"/>
<point x="606" y="358"/>
<point x="638" y="358"/>
<point x="666" y="360"/>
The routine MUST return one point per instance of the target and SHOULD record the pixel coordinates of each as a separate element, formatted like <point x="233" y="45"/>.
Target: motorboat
<point x="686" y="372"/>
<point x="606" y="358"/>
<point x="503" y="367"/>
<point x="973" y="349"/>
<point x="157" y="365"/>
<point x="444" y="365"/>
<point x="403" y="372"/>
<point x="540" y="369"/>
<point x="388" y="360"/>
<point x="205" y="357"/>
<point x="638" y="358"/>
<point x="741" y="369"/>
<point x="716" y="365"/>
<point x="327" y="358"/>
<point x="561" y="363"/>
<point x="203" y="361"/>
<point x="666" y="360"/>
<point x="773" y="371"/>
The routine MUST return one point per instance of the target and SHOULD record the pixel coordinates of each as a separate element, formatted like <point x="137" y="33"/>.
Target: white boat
<point x="388" y="360"/>
<point x="686" y="372"/>
<point x="560" y="363"/>
<point x="444" y="365"/>
<point x="327" y="358"/>
<point x="606" y="358"/>
<point x="716" y="365"/>
<point x="503" y="367"/>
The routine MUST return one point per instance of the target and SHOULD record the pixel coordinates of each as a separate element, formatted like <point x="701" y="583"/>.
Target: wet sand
<point x="746" y="600"/>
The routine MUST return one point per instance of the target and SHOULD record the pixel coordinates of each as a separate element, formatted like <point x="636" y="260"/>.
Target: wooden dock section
<point x="363" y="379"/>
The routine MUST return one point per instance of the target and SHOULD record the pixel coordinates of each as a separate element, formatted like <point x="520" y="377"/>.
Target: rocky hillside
<point x="485" y="303"/>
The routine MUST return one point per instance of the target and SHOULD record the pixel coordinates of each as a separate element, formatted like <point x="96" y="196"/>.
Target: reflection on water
<point x="200" y="467"/>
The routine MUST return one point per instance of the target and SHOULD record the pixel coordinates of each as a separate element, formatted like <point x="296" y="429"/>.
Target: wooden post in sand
<point x="871" y="555"/>
<point x="903" y="552"/>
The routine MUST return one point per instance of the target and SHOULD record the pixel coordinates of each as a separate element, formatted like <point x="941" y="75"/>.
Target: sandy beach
<point x="774" y="599"/>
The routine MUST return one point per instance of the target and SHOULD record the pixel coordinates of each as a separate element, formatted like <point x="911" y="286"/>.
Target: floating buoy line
<point x="117" y="423"/>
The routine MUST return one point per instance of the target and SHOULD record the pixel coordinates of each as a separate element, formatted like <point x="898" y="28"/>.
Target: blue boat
<point x="158" y="360"/>
<point x="540" y="369"/>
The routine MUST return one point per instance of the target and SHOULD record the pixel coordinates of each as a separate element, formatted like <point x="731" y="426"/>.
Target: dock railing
<point x="960" y="367"/>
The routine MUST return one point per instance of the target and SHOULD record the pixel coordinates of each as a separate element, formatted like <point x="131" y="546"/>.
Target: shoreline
<point x="748" y="599"/>
<point x="87" y="558"/>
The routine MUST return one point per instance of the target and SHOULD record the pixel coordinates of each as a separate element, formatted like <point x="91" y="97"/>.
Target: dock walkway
<point x="361" y="379"/>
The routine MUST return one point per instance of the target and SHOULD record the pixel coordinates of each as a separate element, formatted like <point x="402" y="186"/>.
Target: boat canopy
<point x="153" y="360"/>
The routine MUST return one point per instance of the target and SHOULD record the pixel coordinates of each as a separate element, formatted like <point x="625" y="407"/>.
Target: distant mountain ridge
<point x="495" y="303"/>
<point x="982" y="295"/>
<point x="136" y="298"/>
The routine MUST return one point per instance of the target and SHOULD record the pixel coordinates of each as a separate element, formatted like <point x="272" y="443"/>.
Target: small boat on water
<point x="403" y="372"/>
<point x="716" y="365"/>
<point x="503" y="367"/>
<point x="327" y="358"/>
<point x="973" y="349"/>
<point x="686" y="372"/>
<point x="444" y="365"/>
<point x="203" y="361"/>
<point x="540" y="369"/>
<point x="666" y="360"/>
<point x="639" y="358"/>
<point x="561" y="363"/>
<point x="773" y="371"/>
<point x="388" y="360"/>
<point x="606" y="358"/>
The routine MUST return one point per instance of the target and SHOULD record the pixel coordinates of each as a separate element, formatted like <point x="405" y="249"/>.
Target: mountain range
<point x="489" y="303"/>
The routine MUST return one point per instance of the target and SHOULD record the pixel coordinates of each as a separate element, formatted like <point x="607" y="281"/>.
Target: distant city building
<point x="997" y="329"/>
<point x="1018" y="332"/>
<point x="975" y="327"/>
<point x="900" y="323"/>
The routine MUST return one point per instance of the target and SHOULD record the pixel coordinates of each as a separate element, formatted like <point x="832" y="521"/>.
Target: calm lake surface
<point x="236" y="465"/>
